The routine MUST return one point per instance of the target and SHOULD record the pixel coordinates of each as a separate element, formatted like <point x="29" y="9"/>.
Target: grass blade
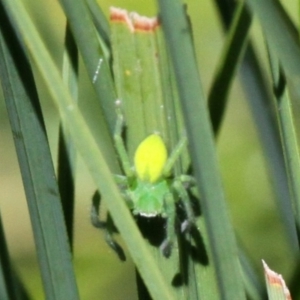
<point x="100" y="21"/>
<point x="128" y="86"/>
<point x="39" y="178"/>
<point x="235" y="46"/>
<point x="280" y="33"/>
<point x="93" y="56"/>
<point x="261" y="104"/>
<point x="66" y="149"/>
<point x="95" y="60"/>
<point x="136" y="64"/>
<point x="6" y="278"/>
<point x="277" y="289"/>
<point x="10" y="285"/>
<point x="288" y="132"/>
<point x="253" y="284"/>
<point x="220" y="233"/>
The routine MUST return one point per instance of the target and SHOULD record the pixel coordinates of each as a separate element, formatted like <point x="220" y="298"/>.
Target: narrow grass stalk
<point x="94" y="57"/>
<point x="288" y="132"/>
<point x="234" y="49"/>
<point x="6" y="278"/>
<point x="10" y="285"/>
<point x="100" y="21"/>
<point x="220" y="232"/>
<point x="36" y="167"/>
<point x="280" y="33"/>
<point x="66" y="151"/>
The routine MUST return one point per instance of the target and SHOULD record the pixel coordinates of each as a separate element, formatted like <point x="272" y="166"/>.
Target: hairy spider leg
<point x="107" y="225"/>
<point x="189" y="182"/>
<point x="121" y="181"/>
<point x="120" y="146"/>
<point x="169" y="203"/>
<point x="173" y="157"/>
<point x="180" y="187"/>
<point x="123" y="184"/>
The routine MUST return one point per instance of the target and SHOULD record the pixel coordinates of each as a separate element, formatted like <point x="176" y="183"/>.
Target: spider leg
<point x="107" y="225"/>
<point x="189" y="182"/>
<point x="170" y="212"/>
<point x="123" y="185"/>
<point x="178" y="150"/>
<point x="110" y="227"/>
<point x="120" y="146"/>
<point x="121" y="181"/>
<point x="181" y="190"/>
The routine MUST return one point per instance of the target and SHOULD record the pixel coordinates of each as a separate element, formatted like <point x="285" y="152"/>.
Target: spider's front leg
<point x="170" y="212"/>
<point x="180" y="185"/>
<point x="122" y="182"/>
<point x="120" y="145"/>
<point x="107" y="226"/>
<point x="174" y="156"/>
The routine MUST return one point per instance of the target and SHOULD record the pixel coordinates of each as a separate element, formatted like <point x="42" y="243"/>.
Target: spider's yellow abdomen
<point x="150" y="158"/>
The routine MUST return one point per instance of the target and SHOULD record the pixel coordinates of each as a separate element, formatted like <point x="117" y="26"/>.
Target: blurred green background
<point x="247" y="184"/>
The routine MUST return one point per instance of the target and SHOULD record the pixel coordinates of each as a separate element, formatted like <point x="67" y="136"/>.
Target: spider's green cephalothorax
<point x="148" y="198"/>
<point x="150" y="188"/>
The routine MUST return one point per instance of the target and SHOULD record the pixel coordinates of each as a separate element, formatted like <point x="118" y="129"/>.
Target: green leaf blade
<point x="37" y="170"/>
<point x="229" y="61"/>
<point x="280" y="33"/>
<point x="94" y="57"/>
<point x="220" y="233"/>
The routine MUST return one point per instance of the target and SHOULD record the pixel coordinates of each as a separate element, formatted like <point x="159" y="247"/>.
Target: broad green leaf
<point x="137" y="72"/>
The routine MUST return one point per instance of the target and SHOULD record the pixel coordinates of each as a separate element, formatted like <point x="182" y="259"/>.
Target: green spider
<point x="148" y="187"/>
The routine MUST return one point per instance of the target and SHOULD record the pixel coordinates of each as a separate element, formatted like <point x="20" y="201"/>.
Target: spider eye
<point x="150" y="158"/>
